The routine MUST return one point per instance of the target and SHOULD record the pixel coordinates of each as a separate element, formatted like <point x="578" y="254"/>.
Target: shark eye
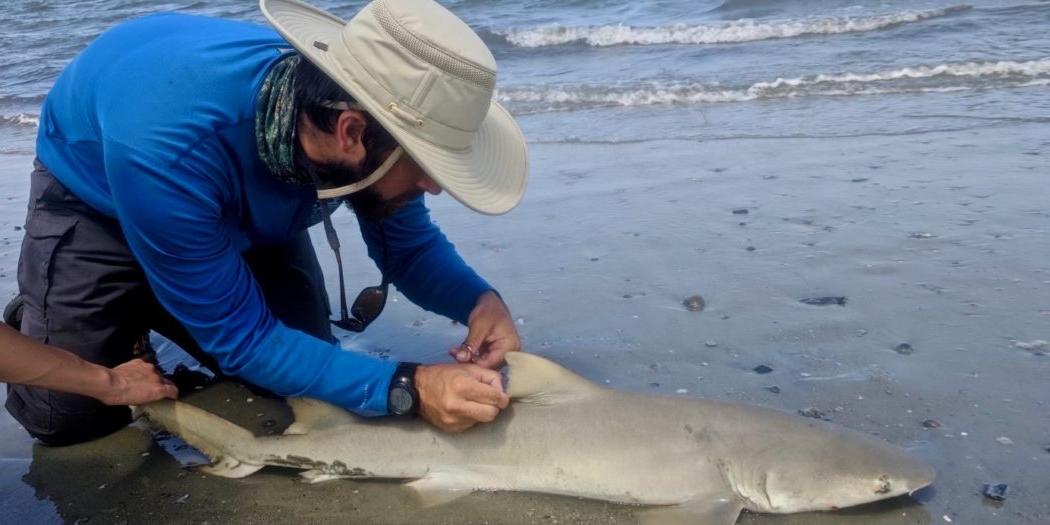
<point x="883" y="485"/>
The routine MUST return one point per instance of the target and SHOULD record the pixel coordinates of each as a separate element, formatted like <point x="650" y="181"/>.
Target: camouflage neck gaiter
<point x="275" y="122"/>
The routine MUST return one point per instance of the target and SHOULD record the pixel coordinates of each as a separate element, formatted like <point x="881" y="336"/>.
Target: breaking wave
<point x="26" y="120"/>
<point x="943" y="78"/>
<point x="744" y="30"/>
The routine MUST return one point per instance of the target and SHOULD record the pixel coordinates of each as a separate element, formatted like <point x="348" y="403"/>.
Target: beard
<point x="366" y="202"/>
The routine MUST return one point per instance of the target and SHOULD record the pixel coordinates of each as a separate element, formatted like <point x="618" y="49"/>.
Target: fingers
<point x="461" y="354"/>
<point x="486" y="376"/>
<point x="473" y="347"/>
<point x="456" y="397"/>
<point x="140" y="383"/>
<point x="167" y="389"/>
<point x="494" y="358"/>
<point x="488" y="390"/>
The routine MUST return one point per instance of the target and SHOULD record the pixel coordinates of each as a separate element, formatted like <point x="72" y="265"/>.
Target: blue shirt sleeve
<point x="185" y="239"/>
<point x="422" y="263"/>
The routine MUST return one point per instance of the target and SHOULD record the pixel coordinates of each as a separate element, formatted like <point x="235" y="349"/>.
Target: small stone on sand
<point x="1037" y="345"/>
<point x="995" y="491"/>
<point x="774" y="389"/>
<point x="811" y="412"/>
<point x="932" y="423"/>
<point x="1003" y="440"/>
<point x="762" y="369"/>
<point x="740" y="211"/>
<point x="904" y="349"/>
<point x="710" y="344"/>
<point x="824" y="301"/>
<point x="694" y="303"/>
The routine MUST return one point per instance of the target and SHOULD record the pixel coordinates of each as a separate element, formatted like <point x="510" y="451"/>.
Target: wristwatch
<point x="403" y="398"/>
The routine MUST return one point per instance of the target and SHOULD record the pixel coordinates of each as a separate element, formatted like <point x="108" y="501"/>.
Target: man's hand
<point x="457" y="397"/>
<point x="137" y="382"/>
<point x="491" y="334"/>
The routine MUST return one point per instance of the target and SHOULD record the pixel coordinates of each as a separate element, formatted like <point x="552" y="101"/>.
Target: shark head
<point x="836" y="469"/>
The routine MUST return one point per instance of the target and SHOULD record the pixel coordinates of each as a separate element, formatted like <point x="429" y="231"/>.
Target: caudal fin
<point x="223" y="442"/>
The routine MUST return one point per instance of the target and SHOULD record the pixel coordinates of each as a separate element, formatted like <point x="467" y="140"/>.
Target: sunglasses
<point x="370" y="302"/>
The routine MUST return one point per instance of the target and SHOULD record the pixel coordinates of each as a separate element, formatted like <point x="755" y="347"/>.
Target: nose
<point x="428" y="185"/>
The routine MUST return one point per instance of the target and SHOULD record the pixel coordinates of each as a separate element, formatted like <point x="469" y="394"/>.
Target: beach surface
<point x="857" y="193"/>
<point x="937" y="242"/>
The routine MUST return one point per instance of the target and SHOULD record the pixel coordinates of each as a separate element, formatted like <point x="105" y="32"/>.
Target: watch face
<point x="400" y="400"/>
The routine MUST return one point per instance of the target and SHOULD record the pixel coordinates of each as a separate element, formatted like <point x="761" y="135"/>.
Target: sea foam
<point x="744" y="30"/>
<point x="20" y="120"/>
<point x="960" y="76"/>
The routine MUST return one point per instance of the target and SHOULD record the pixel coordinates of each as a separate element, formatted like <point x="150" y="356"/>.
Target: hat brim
<point x="488" y="177"/>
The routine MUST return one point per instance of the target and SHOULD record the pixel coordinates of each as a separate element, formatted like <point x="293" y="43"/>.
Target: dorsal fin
<point x="533" y="379"/>
<point x="312" y="414"/>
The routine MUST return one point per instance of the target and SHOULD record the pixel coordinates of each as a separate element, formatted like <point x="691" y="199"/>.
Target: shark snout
<point x="920" y="475"/>
<point x="908" y="477"/>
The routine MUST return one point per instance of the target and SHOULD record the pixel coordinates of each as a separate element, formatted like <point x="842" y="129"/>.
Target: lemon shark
<point x="686" y="460"/>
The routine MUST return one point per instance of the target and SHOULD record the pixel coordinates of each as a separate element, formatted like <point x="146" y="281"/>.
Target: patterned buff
<point x="275" y="122"/>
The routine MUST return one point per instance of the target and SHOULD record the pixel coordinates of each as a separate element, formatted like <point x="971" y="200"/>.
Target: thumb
<point x="470" y="349"/>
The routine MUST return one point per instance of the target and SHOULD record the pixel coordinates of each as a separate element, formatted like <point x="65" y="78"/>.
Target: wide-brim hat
<point x="428" y="79"/>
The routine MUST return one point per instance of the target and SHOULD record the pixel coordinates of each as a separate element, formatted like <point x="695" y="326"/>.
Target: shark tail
<point x="223" y="442"/>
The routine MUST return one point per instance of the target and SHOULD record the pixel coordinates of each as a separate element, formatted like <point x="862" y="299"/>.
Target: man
<point x="180" y="160"/>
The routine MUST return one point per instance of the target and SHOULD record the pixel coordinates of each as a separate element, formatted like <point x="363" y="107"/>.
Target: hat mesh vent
<point x="469" y="71"/>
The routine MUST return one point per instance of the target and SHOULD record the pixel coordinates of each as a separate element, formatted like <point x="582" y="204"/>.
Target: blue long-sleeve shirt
<point x="154" y="125"/>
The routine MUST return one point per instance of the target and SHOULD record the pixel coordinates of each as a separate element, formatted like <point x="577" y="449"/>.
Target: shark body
<point x="687" y="460"/>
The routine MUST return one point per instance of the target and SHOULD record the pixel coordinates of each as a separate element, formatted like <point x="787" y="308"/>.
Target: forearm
<point x="28" y="362"/>
<point x="413" y="254"/>
<point x="453" y="294"/>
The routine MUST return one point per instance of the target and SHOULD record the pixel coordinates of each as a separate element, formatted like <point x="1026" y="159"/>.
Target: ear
<point x="349" y="132"/>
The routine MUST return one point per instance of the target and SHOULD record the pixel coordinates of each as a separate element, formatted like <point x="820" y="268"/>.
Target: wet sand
<point x="938" y="241"/>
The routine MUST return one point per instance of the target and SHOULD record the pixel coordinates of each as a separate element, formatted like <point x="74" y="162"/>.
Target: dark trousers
<point x="85" y="292"/>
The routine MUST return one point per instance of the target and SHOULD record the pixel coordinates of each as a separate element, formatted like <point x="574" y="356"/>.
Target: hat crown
<point x="432" y="24"/>
<point x="427" y="63"/>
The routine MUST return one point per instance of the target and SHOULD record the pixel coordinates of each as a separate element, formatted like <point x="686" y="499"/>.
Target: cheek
<point x="393" y="183"/>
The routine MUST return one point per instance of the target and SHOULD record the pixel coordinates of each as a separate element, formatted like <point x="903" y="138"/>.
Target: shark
<point x="680" y="459"/>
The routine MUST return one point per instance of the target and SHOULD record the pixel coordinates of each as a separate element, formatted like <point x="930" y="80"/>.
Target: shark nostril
<point x="884" y="486"/>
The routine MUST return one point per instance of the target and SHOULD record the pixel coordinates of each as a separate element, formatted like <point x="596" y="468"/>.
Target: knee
<point x="63" y="419"/>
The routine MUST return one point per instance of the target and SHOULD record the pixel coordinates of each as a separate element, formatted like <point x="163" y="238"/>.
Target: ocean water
<point x="615" y="71"/>
<point x="755" y="152"/>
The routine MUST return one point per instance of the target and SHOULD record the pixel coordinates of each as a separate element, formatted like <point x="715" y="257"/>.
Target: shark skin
<point x="686" y="460"/>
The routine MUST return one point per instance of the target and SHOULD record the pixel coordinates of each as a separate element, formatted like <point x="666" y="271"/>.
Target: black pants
<point x="85" y="292"/>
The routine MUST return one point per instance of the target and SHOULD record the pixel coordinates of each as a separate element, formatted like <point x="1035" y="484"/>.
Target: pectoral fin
<point x="721" y="511"/>
<point x="229" y="467"/>
<point x="319" y="476"/>
<point x="438" y="488"/>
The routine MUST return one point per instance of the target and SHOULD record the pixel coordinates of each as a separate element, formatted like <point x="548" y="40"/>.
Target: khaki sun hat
<point x="428" y="79"/>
